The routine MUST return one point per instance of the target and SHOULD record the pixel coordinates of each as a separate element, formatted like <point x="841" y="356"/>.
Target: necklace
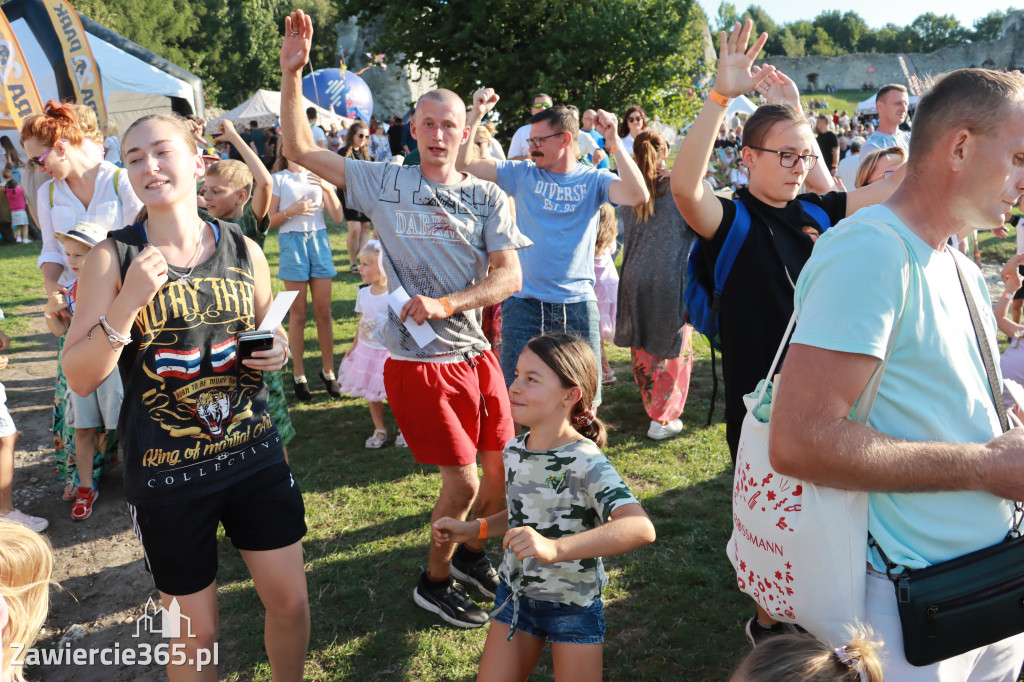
<point x="184" y="279"/>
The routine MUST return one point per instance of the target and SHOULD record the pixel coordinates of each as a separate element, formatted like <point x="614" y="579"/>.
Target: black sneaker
<point x="757" y="633"/>
<point x="302" y="390"/>
<point x="450" y="602"/>
<point x="480" y="574"/>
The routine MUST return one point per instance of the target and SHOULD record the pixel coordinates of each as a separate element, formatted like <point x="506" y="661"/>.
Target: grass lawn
<point x="837" y="101"/>
<point x="672" y="610"/>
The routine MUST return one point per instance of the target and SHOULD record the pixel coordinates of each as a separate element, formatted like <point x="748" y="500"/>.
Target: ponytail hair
<point x="57" y="122"/>
<point x="648" y="151"/>
<point x="800" y="657"/>
<point x="572" y="359"/>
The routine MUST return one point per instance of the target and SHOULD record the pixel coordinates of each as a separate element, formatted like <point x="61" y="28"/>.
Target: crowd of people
<point x="490" y="292"/>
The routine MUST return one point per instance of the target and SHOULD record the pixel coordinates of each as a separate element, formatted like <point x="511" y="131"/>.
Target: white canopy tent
<point x="868" y="105"/>
<point x="264" y="107"/>
<point x="741" y="105"/>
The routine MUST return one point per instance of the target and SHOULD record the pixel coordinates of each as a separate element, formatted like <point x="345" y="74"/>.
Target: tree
<point x="605" y="53"/>
<point x="987" y="28"/>
<point x="231" y="44"/>
<point x="792" y="45"/>
<point x="764" y="23"/>
<point x="844" y="30"/>
<point x="727" y="16"/>
<point x="823" y="44"/>
<point x="938" y="31"/>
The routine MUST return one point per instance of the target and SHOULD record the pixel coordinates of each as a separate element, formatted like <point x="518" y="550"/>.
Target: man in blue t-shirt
<point x="558" y="201"/>
<point x="933" y="458"/>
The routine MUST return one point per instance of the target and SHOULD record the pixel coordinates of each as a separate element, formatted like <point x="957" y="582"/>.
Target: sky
<point x="876" y="13"/>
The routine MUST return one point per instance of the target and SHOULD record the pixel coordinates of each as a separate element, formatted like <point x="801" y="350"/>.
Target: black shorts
<point x="1020" y="292"/>
<point x="261" y="512"/>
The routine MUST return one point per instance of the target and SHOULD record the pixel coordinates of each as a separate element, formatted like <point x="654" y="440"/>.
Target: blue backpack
<point x="702" y="304"/>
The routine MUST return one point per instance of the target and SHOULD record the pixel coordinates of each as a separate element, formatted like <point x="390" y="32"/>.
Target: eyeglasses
<point x="39" y="160"/>
<point x="631" y="119"/>
<point x="541" y="105"/>
<point x="789" y="159"/>
<point x="536" y="141"/>
<point x="359" y="135"/>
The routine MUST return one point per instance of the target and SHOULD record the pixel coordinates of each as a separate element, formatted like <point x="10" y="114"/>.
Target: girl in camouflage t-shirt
<point x="567" y="507"/>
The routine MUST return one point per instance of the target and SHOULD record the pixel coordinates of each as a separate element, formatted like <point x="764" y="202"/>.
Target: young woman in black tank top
<point x="198" y="442"/>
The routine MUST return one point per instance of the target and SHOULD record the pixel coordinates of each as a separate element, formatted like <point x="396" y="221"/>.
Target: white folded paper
<point x="278" y="309"/>
<point x="422" y="334"/>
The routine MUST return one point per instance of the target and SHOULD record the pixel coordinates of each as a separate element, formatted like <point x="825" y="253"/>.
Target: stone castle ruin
<point x="852" y="71"/>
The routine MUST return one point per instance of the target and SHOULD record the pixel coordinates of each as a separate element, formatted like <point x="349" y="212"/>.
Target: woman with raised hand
<point x="780" y="153"/>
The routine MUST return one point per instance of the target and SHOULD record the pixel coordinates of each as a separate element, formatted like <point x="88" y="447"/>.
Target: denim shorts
<point x="100" y="408"/>
<point x="551" y="620"/>
<point x="524" y="318"/>
<point x="305" y="255"/>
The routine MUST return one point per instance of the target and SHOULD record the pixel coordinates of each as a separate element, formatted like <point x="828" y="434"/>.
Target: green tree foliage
<point x="939" y="31"/>
<point x="833" y="32"/>
<point x="987" y="28"/>
<point x="602" y="54"/>
<point x="725" y="19"/>
<point x="231" y="44"/>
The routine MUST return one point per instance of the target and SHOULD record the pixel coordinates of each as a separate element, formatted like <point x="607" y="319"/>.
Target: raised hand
<point x="734" y="76"/>
<point x="606" y="124"/>
<point x="777" y="87"/>
<point x="298" y="39"/>
<point x="145" y="276"/>
<point x="484" y="100"/>
<point x="227" y="133"/>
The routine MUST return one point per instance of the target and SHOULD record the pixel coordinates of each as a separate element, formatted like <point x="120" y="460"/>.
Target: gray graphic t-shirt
<point x="436" y="239"/>
<point x="559" y="492"/>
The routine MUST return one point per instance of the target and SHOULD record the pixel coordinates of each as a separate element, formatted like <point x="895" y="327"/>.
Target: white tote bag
<point x="800" y="549"/>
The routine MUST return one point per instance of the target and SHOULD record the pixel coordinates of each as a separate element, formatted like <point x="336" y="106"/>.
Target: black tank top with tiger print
<point x="194" y="419"/>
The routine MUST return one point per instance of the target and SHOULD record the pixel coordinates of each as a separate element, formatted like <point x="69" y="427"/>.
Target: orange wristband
<point x="483" y="529"/>
<point x="449" y="311"/>
<point x="718" y="98"/>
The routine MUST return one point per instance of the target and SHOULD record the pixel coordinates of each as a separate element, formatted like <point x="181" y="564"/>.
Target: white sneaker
<point x="34" y="523"/>
<point x="670" y="430"/>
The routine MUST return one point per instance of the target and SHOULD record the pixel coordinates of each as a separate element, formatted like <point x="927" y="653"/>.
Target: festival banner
<point x="82" y="67"/>
<point x="19" y="98"/>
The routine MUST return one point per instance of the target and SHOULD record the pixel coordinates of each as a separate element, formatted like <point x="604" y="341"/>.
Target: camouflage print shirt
<point x="559" y="492"/>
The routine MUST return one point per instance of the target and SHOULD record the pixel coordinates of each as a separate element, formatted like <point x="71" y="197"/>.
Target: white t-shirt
<point x="112" y="149"/>
<point x="586" y="144"/>
<point x="519" y="146"/>
<point x="627" y="143"/>
<point x="373" y="309"/>
<point x="110" y="208"/>
<point x="319" y="136"/>
<point x="291" y="187"/>
<point x="847" y="170"/>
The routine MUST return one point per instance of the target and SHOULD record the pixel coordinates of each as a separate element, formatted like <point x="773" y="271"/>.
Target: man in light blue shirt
<point x="558" y="201"/>
<point x="939" y="471"/>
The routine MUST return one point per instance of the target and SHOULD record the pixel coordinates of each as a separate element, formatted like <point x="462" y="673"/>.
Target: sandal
<point x="608" y="378"/>
<point x="400" y="441"/>
<point x="376" y="441"/>
<point x="70" y="492"/>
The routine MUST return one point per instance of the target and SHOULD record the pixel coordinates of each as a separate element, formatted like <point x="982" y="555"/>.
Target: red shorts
<point x="447" y="411"/>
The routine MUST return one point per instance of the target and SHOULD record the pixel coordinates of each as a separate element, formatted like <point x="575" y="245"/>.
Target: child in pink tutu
<point x="362" y="370"/>
<point x="606" y="283"/>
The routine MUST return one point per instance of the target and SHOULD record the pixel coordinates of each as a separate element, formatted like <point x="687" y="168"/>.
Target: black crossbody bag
<point x="972" y="600"/>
